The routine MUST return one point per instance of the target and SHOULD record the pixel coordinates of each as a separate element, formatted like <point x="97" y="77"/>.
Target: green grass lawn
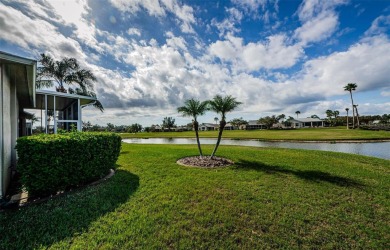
<point x="271" y="198"/>
<point x="306" y="134"/>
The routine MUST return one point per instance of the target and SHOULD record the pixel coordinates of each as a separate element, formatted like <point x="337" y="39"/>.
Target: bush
<point x="50" y="163"/>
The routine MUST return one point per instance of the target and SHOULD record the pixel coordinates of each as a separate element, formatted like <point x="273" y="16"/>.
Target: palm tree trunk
<point x="353" y="111"/>
<point x="347" y="121"/>
<point x="221" y="127"/>
<point x="357" y="117"/>
<point x="196" y="126"/>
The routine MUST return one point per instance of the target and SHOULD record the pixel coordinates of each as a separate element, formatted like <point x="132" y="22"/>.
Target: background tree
<point x="134" y="128"/>
<point x="329" y="114"/>
<point x="66" y="72"/>
<point x="33" y="119"/>
<point x="315" y="116"/>
<point x="336" y="115"/>
<point x="288" y="121"/>
<point x="351" y="87"/>
<point x="281" y="118"/>
<point x="194" y="108"/>
<point x="385" y="119"/>
<point x="222" y="105"/>
<point x="110" y="127"/>
<point x="347" y="109"/>
<point x="216" y="120"/>
<point x="238" y="122"/>
<point x="268" y="121"/>
<point x="297" y="112"/>
<point x="168" y="122"/>
<point x="87" y="126"/>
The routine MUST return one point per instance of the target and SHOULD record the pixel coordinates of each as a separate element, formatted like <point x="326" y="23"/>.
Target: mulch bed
<point x="205" y="162"/>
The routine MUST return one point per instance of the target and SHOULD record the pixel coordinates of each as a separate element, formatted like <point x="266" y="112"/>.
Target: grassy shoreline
<point x="309" y="134"/>
<point x="270" y="198"/>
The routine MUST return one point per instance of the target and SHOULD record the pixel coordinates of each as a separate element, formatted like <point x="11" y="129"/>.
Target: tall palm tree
<point x="194" y="108"/>
<point x="66" y="72"/>
<point x="336" y="114"/>
<point x="347" y="109"/>
<point x="329" y="114"/>
<point x="357" y="115"/>
<point x="351" y="87"/>
<point x="216" y="120"/>
<point x="297" y="112"/>
<point x="222" y="105"/>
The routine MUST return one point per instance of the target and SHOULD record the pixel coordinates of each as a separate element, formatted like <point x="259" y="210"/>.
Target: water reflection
<point x="376" y="149"/>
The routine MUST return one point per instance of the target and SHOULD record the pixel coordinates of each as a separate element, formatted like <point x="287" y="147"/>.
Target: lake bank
<point x="310" y="134"/>
<point x="374" y="149"/>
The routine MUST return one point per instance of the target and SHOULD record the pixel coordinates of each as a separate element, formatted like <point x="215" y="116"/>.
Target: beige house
<point x="307" y="123"/>
<point x="17" y="93"/>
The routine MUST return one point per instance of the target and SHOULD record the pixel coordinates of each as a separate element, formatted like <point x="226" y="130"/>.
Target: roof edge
<point x="16" y="59"/>
<point x="54" y="93"/>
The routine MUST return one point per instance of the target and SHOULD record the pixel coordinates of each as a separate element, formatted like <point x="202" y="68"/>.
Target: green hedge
<point x="50" y="163"/>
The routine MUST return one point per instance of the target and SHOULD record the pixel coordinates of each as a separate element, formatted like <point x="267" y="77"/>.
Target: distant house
<point x="155" y="128"/>
<point x="17" y="92"/>
<point x="182" y="128"/>
<point x="253" y="124"/>
<point x="208" y="127"/>
<point x="229" y="126"/>
<point x="307" y="123"/>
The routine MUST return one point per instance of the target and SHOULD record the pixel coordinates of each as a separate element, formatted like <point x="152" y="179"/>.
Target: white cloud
<point x="27" y="32"/>
<point x="274" y="53"/>
<point x="71" y="11"/>
<point x="385" y="92"/>
<point x="318" y="28"/>
<point x="366" y="63"/>
<point x="380" y="25"/>
<point x="134" y="31"/>
<point x="319" y="20"/>
<point x="229" y="24"/>
<point x="311" y="8"/>
<point x="259" y="9"/>
<point x="159" y="8"/>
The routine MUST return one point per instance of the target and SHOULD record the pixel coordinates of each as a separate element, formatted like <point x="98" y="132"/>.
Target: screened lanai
<point x="64" y="110"/>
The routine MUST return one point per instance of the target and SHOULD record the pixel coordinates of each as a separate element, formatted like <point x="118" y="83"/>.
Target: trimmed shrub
<point x="50" y="163"/>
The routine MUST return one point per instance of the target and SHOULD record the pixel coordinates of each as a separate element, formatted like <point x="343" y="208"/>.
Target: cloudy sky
<point x="274" y="56"/>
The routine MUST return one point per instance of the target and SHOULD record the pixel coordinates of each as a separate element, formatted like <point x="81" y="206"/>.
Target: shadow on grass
<point x="309" y="175"/>
<point x="41" y="225"/>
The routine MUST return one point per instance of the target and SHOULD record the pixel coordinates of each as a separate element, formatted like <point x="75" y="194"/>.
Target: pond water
<point x="376" y="149"/>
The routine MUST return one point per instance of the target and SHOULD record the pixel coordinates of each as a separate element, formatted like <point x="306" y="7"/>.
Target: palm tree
<point x="351" y="87"/>
<point x="336" y="114"/>
<point x="347" y="109"/>
<point x="66" y="72"/>
<point x="216" y="120"/>
<point x="329" y="114"/>
<point x="194" y="108"/>
<point x="222" y="105"/>
<point x="357" y="115"/>
<point x="33" y="119"/>
<point x="297" y="112"/>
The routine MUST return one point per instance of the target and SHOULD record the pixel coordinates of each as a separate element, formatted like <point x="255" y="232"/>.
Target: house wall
<point x="9" y="127"/>
<point x="6" y="129"/>
<point x="1" y="130"/>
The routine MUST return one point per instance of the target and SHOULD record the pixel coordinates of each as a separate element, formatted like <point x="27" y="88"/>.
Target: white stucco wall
<point x="1" y="131"/>
<point x="7" y="131"/>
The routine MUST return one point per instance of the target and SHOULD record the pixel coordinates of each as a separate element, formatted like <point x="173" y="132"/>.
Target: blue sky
<point x="149" y="56"/>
